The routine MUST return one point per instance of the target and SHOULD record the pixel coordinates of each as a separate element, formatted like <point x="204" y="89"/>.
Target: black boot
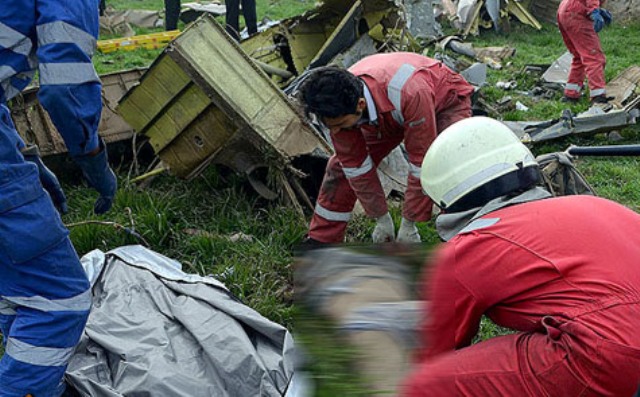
<point x="599" y="99"/>
<point x="568" y="99"/>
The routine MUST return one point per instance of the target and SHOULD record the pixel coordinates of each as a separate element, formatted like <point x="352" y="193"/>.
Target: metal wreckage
<point x="207" y="99"/>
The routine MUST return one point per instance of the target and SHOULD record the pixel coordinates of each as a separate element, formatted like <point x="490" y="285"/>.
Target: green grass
<point x="271" y="9"/>
<point x="192" y="221"/>
<point x="156" y="5"/>
<point x="544" y="47"/>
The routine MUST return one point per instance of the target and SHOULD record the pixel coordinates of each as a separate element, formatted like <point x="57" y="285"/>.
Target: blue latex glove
<point x="100" y="177"/>
<point x="598" y="20"/>
<point x="47" y="178"/>
<point x="606" y="15"/>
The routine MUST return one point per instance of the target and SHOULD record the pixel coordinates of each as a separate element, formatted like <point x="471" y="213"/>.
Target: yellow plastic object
<point x="148" y="41"/>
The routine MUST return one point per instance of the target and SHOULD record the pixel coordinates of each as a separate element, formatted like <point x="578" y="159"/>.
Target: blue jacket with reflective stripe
<point x="57" y="40"/>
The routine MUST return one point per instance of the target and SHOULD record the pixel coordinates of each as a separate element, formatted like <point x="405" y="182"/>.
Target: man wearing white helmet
<point x="563" y="272"/>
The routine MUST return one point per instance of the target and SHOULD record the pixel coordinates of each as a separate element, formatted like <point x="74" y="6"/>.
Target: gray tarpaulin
<point x="156" y="331"/>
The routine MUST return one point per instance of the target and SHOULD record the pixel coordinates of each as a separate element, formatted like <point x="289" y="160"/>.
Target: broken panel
<point x="204" y="100"/>
<point x="35" y="126"/>
<point x="625" y="87"/>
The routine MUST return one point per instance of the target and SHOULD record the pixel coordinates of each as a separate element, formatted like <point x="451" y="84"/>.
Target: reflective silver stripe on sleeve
<point x="599" y="91"/>
<point x="479" y="224"/>
<point x="78" y="303"/>
<point x="394" y="90"/>
<point x="371" y="105"/>
<point x="6" y="72"/>
<point x="9" y="90"/>
<point x="366" y="166"/>
<point x="475" y="180"/>
<point x="414" y="170"/>
<point x="572" y="87"/>
<point x="36" y="355"/>
<point x="67" y="73"/>
<point x="61" y="32"/>
<point x="332" y="215"/>
<point x="7" y="308"/>
<point x="14" y="40"/>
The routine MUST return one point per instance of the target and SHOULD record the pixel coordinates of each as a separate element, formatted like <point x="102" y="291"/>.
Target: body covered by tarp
<point x="156" y="331"/>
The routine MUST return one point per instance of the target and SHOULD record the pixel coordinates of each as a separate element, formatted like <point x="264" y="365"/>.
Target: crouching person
<point x="379" y="103"/>
<point x="563" y="272"/>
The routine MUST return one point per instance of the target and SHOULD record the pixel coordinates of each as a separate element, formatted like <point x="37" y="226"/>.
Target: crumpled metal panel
<point x="546" y="10"/>
<point x="344" y="36"/>
<point x="591" y="122"/>
<point x="421" y="22"/>
<point x="624" y="87"/>
<point x="154" y="330"/>
<point x="363" y="47"/>
<point x="313" y="38"/>
<point x="35" y="126"/>
<point x="558" y="72"/>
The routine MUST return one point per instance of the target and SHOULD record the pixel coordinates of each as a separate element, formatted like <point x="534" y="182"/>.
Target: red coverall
<point x="562" y="271"/>
<point x="433" y="98"/>
<point x="583" y="43"/>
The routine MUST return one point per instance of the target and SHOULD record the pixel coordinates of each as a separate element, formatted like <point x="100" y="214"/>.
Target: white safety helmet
<point x="474" y="161"/>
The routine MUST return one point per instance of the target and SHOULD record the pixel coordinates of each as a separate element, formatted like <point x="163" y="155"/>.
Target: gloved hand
<point x="598" y="20"/>
<point x="385" y="231"/>
<point x="95" y="169"/>
<point x="47" y="178"/>
<point x="408" y="232"/>
<point x="606" y="15"/>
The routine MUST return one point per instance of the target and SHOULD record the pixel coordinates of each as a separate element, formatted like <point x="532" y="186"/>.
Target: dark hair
<point x="331" y="92"/>
<point x="513" y="183"/>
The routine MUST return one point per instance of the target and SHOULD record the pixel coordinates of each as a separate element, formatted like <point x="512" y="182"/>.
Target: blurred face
<point x="347" y="121"/>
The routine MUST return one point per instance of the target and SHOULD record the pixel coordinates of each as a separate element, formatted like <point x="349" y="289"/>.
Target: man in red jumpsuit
<point x="370" y="109"/>
<point x="563" y="272"/>
<point x="579" y="22"/>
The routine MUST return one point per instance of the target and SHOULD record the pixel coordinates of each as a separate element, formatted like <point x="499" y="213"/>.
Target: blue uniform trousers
<point x="44" y="292"/>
